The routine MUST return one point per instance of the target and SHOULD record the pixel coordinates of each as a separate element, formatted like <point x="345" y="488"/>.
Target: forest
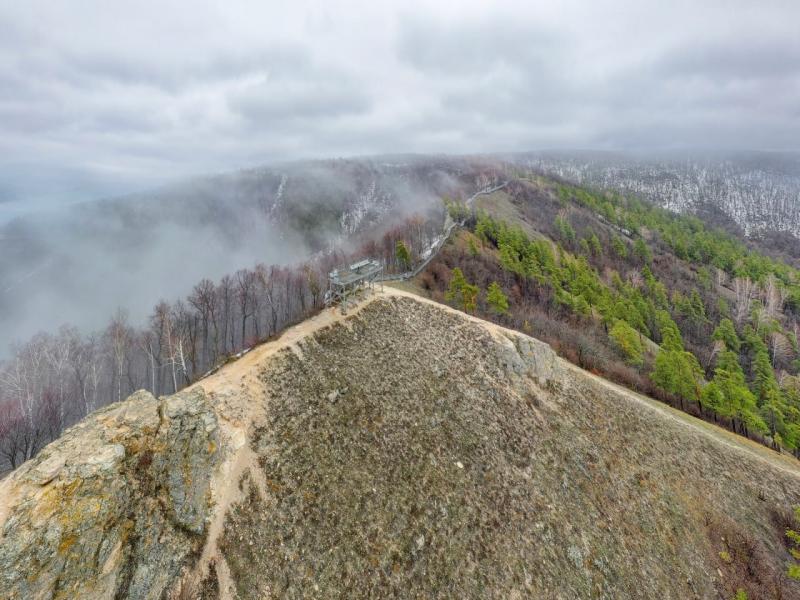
<point x="654" y="300"/>
<point x="54" y="379"/>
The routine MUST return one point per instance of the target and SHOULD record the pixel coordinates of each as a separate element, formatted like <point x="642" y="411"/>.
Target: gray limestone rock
<point x="116" y="506"/>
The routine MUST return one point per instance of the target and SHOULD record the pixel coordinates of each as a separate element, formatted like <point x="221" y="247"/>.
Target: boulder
<point x="116" y="506"/>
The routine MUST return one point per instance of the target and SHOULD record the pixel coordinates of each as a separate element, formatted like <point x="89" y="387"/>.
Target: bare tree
<point x="87" y="367"/>
<point x="186" y="349"/>
<point x="147" y="342"/>
<point x="245" y="281"/>
<point x="744" y="289"/>
<point x="773" y="297"/>
<point x="269" y="280"/>
<point x="57" y="351"/>
<point x="14" y="435"/>
<point x="314" y="284"/>
<point x="120" y="339"/>
<point x="226" y="296"/>
<point x="204" y="300"/>
<point x="53" y="380"/>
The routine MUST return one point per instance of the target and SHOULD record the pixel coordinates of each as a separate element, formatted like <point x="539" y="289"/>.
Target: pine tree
<point x="462" y="292"/>
<point x="619" y="246"/>
<point x="764" y="384"/>
<point x="677" y="372"/>
<point x="565" y="230"/>
<point x="670" y="334"/>
<point x="711" y="397"/>
<point x="457" y="283"/>
<point x="641" y="251"/>
<point x="402" y="254"/>
<point x="738" y="402"/>
<point x="597" y="249"/>
<point x="698" y="308"/>
<point x="628" y="341"/>
<point x="725" y="332"/>
<point x="794" y="536"/>
<point x="496" y="299"/>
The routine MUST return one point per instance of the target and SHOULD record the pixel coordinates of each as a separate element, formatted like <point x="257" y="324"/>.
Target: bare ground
<point x="403" y="451"/>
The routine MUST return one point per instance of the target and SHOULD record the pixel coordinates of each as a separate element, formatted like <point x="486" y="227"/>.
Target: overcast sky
<point x="97" y="98"/>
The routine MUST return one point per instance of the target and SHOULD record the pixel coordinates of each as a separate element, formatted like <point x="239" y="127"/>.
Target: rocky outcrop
<point x="404" y="451"/>
<point x="116" y="507"/>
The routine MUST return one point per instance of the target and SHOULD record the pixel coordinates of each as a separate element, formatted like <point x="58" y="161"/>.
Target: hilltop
<point x="662" y="303"/>
<point x="405" y="450"/>
<point x="753" y="193"/>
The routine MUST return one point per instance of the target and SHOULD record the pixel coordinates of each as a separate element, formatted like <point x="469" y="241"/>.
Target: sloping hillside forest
<point x="54" y="379"/>
<point x="654" y="300"/>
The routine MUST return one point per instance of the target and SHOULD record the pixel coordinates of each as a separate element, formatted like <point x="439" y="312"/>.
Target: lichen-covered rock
<point x="526" y="356"/>
<point x="115" y="506"/>
<point x="407" y="451"/>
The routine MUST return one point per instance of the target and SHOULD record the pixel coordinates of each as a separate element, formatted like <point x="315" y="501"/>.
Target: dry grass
<point x="404" y="456"/>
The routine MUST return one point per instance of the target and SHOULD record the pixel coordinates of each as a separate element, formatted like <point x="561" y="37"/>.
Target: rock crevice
<point x="117" y="506"/>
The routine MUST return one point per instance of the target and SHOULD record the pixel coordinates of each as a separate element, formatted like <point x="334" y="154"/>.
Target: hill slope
<point x="121" y="252"/>
<point x="408" y="451"/>
<point x="754" y="191"/>
<point x="610" y="282"/>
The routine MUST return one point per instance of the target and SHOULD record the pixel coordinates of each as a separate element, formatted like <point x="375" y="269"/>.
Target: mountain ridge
<point x="541" y="425"/>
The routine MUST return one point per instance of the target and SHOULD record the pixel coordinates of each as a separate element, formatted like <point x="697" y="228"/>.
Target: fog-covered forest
<point x="54" y="377"/>
<point x="80" y="263"/>
<point x="153" y="291"/>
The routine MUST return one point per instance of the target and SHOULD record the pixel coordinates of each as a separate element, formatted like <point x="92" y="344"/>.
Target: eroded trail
<point x="400" y="450"/>
<point x="240" y="398"/>
<point x="736" y="443"/>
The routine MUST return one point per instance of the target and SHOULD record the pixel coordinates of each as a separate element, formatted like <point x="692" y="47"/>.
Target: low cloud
<point x="128" y="96"/>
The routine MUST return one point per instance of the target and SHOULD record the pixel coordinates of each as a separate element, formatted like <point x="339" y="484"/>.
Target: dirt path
<point x="241" y="396"/>
<point x="782" y="462"/>
<point x="240" y="406"/>
<point x="731" y="440"/>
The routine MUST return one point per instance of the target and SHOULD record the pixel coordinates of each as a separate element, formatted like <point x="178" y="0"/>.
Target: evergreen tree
<point x="711" y="397"/>
<point x="496" y="299"/>
<point x="671" y="338"/>
<point x="457" y="283"/>
<point x="737" y="401"/>
<point x="628" y="341"/>
<point x="402" y="254"/>
<point x="697" y="307"/>
<point x="675" y="370"/>
<point x="461" y="291"/>
<point x="470" y="296"/>
<point x="794" y="537"/>
<point x="725" y="332"/>
<point x="620" y="248"/>
<point x="764" y="384"/>
<point x="641" y="251"/>
<point x="594" y="243"/>
<point x="565" y="230"/>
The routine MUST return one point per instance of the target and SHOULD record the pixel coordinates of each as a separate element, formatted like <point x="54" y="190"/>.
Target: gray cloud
<point x="99" y="97"/>
<point x="290" y="98"/>
<point x="721" y="61"/>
